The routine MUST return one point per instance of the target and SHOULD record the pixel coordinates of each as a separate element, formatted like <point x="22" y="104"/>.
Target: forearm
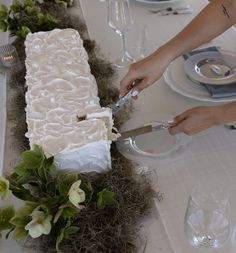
<point x="227" y="113"/>
<point x="214" y="19"/>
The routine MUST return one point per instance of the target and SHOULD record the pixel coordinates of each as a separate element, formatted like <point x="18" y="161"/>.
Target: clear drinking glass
<point x="135" y="42"/>
<point x="207" y="218"/>
<point x="119" y="17"/>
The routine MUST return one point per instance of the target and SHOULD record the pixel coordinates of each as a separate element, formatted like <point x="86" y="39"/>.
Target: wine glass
<point x="135" y="42"/>
<point x="207" y="218"/>
<point x="119" y="17"/>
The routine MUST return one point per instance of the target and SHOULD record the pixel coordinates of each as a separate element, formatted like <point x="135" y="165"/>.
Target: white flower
<point x="4" y="188"/>
<point x="76" y="195"/>
<point x="40" y="224"/>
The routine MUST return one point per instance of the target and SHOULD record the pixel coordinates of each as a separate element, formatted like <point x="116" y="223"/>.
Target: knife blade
<point x="143" y="130"/>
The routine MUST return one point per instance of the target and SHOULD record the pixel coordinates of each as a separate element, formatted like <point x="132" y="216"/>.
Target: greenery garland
<point x="106" y="217"/>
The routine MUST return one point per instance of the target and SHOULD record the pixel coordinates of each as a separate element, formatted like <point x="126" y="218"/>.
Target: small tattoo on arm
<point x="225" y="11"/>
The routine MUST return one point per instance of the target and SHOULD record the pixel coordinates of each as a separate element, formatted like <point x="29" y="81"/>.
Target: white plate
<point x="177" y="80"/>
<point x="157" y="2"/>
<point x="155" y="145"/>
<point x="215" y="68"/>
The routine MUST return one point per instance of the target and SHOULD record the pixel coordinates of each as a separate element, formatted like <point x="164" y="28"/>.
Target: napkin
<point x="216" y="91"/>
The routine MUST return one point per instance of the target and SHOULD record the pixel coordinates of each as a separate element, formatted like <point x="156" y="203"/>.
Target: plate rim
<point x="182" y="92"/>
<point x="181" y="140"/>
<point x="223" y="52"/>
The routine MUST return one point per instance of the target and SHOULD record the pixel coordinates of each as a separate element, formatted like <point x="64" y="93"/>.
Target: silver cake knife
<point x="155" y="126"/>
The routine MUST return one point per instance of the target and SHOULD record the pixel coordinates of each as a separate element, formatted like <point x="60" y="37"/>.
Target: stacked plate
<point x="215" y="68"/>
<point x="205" y="76"/>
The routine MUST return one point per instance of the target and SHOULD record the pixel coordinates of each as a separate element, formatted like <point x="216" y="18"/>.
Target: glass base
<point x="122" y="63"/>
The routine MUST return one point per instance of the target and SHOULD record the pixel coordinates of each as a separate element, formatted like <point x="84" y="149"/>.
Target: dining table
<point x="211" y="152"/>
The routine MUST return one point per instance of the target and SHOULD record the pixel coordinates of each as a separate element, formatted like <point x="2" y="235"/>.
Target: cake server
<point x="155" y="126"/>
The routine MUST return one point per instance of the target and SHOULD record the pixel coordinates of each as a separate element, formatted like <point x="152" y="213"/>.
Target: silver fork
<point x="170" y="9"/>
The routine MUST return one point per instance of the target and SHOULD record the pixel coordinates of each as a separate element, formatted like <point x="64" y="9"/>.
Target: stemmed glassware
<point x="207" y="218"/>
<point x="119" y="17"/>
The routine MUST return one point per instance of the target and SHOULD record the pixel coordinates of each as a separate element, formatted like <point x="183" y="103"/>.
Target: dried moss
<point x="112" y="229"/>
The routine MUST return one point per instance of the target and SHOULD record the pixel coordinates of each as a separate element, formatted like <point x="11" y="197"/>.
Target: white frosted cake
<point x="63" y="113"/>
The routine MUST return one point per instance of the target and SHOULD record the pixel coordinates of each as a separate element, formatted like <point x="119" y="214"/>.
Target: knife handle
<point x="161" y="125"/>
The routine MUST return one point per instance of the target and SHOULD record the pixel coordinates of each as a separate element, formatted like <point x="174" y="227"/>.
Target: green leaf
<point x="3" y="12"/>
<point x="31" y="10"/>
<point x="65" y="181"/>
<point x="70" y="231"/>
<point x="105" y="198"/>
<point x="23" y="194"/>
<point x="61" y="3"/>
<point x="23" y="215"/>
<point x="32" y="159"/>
<point x="15" y="7"/>
<point x="19" y="233"/>
<point x="50" y="167"/>
<point x="50" y="202"/>
<point x="88" y="189"/>
<point x="28" y="3"/>
<point x="3" y="26"/>
<point x="6" y="213"/>
<point x="60" y="238"/>
<point x="69" y="212"/>
<point x="20" y="169"/>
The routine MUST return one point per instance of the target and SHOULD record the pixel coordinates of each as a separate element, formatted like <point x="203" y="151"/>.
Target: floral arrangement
<point x="69" y="212"/>
<point x="26" y="17"/>
<point x="51" y="199"/>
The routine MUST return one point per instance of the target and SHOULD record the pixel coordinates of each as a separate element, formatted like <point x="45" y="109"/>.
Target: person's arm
<point x="200" y="118"/>
<point x="215" y="18"/>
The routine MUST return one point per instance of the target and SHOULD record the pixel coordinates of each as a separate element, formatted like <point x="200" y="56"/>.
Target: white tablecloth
<point x="211" y="152"/>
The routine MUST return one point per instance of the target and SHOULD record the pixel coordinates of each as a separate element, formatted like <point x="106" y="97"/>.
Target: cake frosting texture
<point x="63" y="113"/>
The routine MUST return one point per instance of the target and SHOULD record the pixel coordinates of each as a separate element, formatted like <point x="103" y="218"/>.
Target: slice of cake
<point x="63" y="113"/>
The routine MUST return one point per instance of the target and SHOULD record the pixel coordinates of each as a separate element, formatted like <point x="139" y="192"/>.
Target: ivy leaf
<point x="6" y="213"/>
<point x="105" y="198"/>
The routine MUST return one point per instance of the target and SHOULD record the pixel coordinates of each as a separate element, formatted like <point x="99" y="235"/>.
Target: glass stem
<point x="123" y="44"/>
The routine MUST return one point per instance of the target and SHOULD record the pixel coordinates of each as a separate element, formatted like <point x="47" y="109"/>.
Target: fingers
<point x="135" y="78"/>
<point x="181" y="124"/>
<point x="128" y="83"/>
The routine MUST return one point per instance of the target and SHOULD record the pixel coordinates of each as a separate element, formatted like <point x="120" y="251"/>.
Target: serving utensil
<point x="169" y="9"/>
<point x="187" y="11"/>
<point x="155" y="126"/>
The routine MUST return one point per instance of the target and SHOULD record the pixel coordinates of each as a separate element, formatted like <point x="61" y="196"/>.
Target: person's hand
<point x="144" y="73"/>
<point x="197" y="119"/>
